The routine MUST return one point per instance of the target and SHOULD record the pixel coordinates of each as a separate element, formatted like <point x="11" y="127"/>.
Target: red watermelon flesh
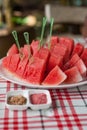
<point x="6" y="61"/>
<point x="35" y="70"/>
<point x="34" y="46"/>
<point x="27" y="50"/>
<point x="21" y="50"/>
<point x="60" y="50"/>
<point x="71" y="62"/>
<point x="54" y="41"/>
<point x="81" y="67"/>
<point x="43" y="53"/>
<point x="14" y="62"/>
<point x="78" y="49"/>
<point x="22" y="66"/>
<point x="13" y="50"/>
<point x="84" y="56"/>
<point x="73" y="75"/>
<point x="53" y="61"/>
<point x="67" y="42"/>
<point x="55" y="77"/>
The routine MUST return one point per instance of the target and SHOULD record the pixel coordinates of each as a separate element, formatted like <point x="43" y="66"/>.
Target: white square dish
<point x="40" y="105"/>
<point x="24" y="93"/>
<point x="29" y="104"/>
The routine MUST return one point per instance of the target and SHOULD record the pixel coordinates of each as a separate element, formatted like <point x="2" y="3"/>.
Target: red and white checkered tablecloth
<point x="68" y="111"/>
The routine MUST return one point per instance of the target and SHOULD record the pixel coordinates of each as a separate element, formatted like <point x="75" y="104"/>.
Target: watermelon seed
<point x="51" y="26"/>
<point x="42" y="32"/>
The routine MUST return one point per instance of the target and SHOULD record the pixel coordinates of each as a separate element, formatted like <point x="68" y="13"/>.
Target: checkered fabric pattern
<point x="68" y="111"/>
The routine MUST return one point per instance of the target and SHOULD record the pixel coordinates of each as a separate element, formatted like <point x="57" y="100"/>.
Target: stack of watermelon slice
<point x="64" y="62"/>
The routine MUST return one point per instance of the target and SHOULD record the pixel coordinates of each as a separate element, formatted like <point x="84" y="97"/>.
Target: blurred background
<point x="26" y="15"/>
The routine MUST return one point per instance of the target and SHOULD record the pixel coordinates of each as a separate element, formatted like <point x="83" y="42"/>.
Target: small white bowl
<point x="24" y="93"/>
<point x="40" y="106"/>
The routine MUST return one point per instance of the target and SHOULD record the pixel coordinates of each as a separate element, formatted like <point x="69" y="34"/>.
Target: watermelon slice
<point x="81" y="67"/>
<point x="35" y="70"/>
<point x="53" y="61"/>
<point x="60" y="50"/>
<point x="43" y="53"/>
<point x="73" y="75"/>
<point x="14" y="62"/>
<point x="54" y="41"/>
<point x="55" y="77"/>
<point x="84" y="56"/>
<point x="67" y="42"/>
<point x="34" y="46"/>
<point x="13" y="50"/>
<point x="22" y="66"/>
<point x="71" y="62"/>
<point x="6" y="61"/>
<point x="78" y="49"/>
<point x="27" y="50"/>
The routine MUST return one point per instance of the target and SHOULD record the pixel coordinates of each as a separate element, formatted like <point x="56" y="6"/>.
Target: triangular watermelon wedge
<point x="12" y="50"/>
<point x="75" y="58"/>
<point x="55" y="77"/>
<point x="81" y="67"/>
<point x="73" y="75"/>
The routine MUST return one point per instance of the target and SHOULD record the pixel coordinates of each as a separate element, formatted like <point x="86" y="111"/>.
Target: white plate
<point x="12" y="78"/>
